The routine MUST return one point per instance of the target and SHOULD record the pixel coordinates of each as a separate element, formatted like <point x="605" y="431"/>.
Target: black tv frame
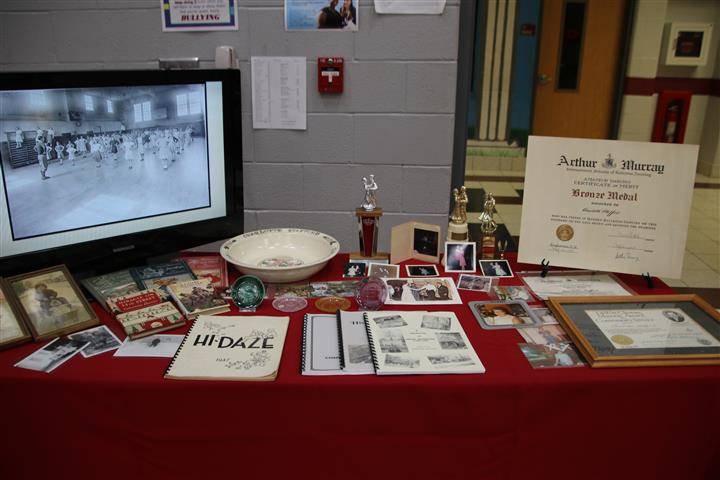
<point x="134" y="249"/>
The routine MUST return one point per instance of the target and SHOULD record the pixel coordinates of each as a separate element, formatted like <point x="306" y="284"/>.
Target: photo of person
<point x="421" y="270"/>
<point x="383" y="271"/>
<point x="52" y="355"/>
<point x="545" y="334"/>
<point x="354" y="270"/>
<point x="475" y="283"/>
<point x="459" y="256"/>
<point x="420" y="291"/>
<point x="100" y="339"/>
<point x="508" y="314"/>
<point x="52" y="302"/>
<point x="425" y="242"/>
<point x="513" y="293"/>
<point x="496" y="268"/>
<point x="551" y="355"/>
<point x="341" y="15"/>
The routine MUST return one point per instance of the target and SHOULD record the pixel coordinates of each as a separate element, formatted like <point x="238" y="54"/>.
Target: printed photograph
<point x="198" y="295"/>
<point x="421" y="291"/>
<point x="341" y="15"/>
<point x="393" y="341"/>
<point x="402" y="361"/>
<point x="12" y="327"/>
<point x="99" y="339"/>
<point x="496" y="268"/>
<point x="354" y="270"/>
<point x="383" y="270"/>
<point x="152" y="346"/>
<point x="421" y="270"/>
<point x="545" y="315"/>
<point x="450" y="341"/>
<point x="450" y="359"/>
<point x="459" y="256"/>
<point x="475" y="283"/>
<point x="426" y="242"/>
<point x="545" y="334"/>
<point x="435" y="322"/>
<point x="551" y="355"/>
<point x="359" y="354"/>
<point x="52" y="302"/>
<point x="101" y="155"/>
<point x="52" y="355"/>
<point x="507" y="314"/>
<point x="390" y="321"/>
<point x="346" y="288"/>
<point x="275" y="290"/>
<point x="513" y="293"/>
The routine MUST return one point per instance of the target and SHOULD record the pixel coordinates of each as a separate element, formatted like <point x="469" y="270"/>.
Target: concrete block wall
<point x="395" y="119"/>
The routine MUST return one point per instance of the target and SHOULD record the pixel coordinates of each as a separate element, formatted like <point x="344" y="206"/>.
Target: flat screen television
<point x="102" y="170"/>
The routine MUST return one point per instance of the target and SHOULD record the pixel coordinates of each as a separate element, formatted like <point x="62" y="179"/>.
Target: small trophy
<point x="487" y="229"/>
<point x="458" y="227"/>
<point x="368" y="221"/>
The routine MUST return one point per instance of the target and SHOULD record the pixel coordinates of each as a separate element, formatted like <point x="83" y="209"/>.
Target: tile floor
<point x="701" y="267"/>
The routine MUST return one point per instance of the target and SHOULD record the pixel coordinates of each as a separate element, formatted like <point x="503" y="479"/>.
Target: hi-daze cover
<point x="230" y="348"/>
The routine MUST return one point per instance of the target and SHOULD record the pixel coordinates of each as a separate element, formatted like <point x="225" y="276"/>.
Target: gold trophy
<point x="458" y="227"/>
<point x="487" y="229"/>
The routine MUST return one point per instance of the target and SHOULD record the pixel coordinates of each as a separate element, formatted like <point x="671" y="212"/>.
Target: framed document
<point x="651" y="330"/>
<point x="574" y="283"/>
<point x="607" y="205"/>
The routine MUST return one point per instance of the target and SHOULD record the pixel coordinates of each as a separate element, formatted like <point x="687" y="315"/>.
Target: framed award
<point x="631" y="331"/>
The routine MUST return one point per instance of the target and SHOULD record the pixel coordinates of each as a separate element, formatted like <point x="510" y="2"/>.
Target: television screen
<point x="94" y="160"/>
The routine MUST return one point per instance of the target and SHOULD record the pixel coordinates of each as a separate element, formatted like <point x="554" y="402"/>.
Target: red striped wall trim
<point x="649" y="86"/>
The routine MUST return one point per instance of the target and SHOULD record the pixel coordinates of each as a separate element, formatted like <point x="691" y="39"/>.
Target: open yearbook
<point x="419" y="343"/>
<point x="230" y="348"/>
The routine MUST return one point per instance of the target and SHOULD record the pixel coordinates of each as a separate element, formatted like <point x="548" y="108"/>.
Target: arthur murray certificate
<point x="607" y="205"/>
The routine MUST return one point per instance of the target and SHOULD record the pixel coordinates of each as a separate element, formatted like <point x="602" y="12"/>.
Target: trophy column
<point x="368" y="223"/>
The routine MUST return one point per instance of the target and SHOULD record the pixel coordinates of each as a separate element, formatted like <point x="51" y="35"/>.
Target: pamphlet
<point x="355" y="355"/>
<point x="321" y="346"/>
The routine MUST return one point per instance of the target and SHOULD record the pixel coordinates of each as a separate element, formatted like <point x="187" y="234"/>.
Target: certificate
<point x="573" y="284"/>
<point x="651" y="328"/>
<point x="607" y="205"/>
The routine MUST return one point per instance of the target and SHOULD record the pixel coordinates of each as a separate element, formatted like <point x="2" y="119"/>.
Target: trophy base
<point x="458" y="232"/>
<point x="379" y="256"/>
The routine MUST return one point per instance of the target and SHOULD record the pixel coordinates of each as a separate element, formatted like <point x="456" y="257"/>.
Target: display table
<point x="108" y="417"/>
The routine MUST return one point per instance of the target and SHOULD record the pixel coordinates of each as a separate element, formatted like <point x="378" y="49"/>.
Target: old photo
<point x="545" y="334"/>
<point x="450" y="359"/>
<point x="555" y="355"/>
<point x="436" y="322"/>
<point x="100" y="339"/>
<point x="383" y="270"/>
<point x="392" y="341"/>
<point x="52" y="355"/>
<point x="402" y="361"/>
<point x="421" y="270"/>
<point x="496" y="268"/>
<point x="513" y="292"/>
<point x="474" y="283"/>
<point x="459" y="256"/>
<point x="390" y="321"/>
<point x="507" y="314"/>
<point x="354" y="270"/>
<point x="450" y="341"/>
<point x="152" y="346"/>
<point x="422" y="291"/>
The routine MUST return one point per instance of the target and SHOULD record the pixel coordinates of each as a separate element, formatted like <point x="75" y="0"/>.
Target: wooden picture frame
<point x="56" y="309"/>
<point x="641" y="330"/>
<point x="13" y="330"/>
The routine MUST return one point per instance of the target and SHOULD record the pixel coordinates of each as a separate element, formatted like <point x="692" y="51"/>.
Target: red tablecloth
<point x="108" y="417"/>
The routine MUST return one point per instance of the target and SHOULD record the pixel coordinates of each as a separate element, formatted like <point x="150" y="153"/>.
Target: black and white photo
<point x="383" y="270"/>
<point x="450" y="359"/>
<point x="475" y="283"/>
<point x="421" y="270"/>
<point x="392" y="341"/>
<point x="390" y="321"/>
<point x="87" y="157"/>
<point x="450" y="341"/>
<point x="496" y="268"/>
<point x="52" y="355"/>
<point x="152" y="346"/>
<point x="436" y="322"/>
<point x="354" y="270"/>
<point x="402" y="361"/>
<point x="459" y="256"/>
<point x="100" y="340"/>
<point x="426" y="242"/>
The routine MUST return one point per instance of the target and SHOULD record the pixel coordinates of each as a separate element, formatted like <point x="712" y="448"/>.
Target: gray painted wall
<point x="395" y="119"/>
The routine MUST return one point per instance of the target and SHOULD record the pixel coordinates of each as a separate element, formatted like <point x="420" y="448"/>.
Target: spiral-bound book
<point x="230" y="348"/>
<point x="406" y="343"/>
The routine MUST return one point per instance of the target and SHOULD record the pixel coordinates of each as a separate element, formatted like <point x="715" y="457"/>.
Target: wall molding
<point x="651" y="86"/>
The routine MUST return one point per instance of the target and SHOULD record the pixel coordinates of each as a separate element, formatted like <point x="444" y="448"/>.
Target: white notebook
<point x="320" y="345"/>
<point x="405" y="343"/>
<point x="230" y="348"/>
<point x="355" y="355"/>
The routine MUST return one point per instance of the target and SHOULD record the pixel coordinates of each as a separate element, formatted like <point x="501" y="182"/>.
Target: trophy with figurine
<point x="458" y="226"/>
<point x="368" y="215"/>
<point x="487" y="229"/>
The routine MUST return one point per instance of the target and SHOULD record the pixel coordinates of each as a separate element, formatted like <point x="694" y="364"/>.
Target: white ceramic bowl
<point x="280" y="255"/>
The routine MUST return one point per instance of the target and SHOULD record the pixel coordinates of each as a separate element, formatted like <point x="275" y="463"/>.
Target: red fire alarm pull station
<point x="330" y="74"/>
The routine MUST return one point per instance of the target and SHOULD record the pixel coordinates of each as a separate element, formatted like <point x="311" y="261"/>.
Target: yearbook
<point x="230" y="348"/>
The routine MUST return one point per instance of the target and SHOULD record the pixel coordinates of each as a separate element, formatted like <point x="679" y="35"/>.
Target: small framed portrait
<point x="508" y="314"/>
<point x="354" y="270"/>
<point x="51" y="302"/>
<point x="460" y="257"/>
<point x="383" y="270"/>
<point x="422" y="270"/>
<point x="496" y="268"/>
<point x="13" y="330"/>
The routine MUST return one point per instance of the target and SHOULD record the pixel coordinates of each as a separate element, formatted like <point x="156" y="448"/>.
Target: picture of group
<point x="421" y="291"/>
<point x="321" y="14"/>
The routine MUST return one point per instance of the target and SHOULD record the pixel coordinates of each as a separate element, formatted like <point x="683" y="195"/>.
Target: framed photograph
<point x="51" y="302"/>
<point x="354" y="270"/>
<point x="13" y="330"/>
<point x="460" y="256"/>
<point x="645" y="330"/>
<point x="688" y="44"/>
<point x="422" y="271"/>
<point x="574" y="283"/>
<point x="475" y="283"/>
<point x="509" y="314"/>
<point x="415" y="240"/>
<point x="496" y="268"/>
<point x="383" y="270"/>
